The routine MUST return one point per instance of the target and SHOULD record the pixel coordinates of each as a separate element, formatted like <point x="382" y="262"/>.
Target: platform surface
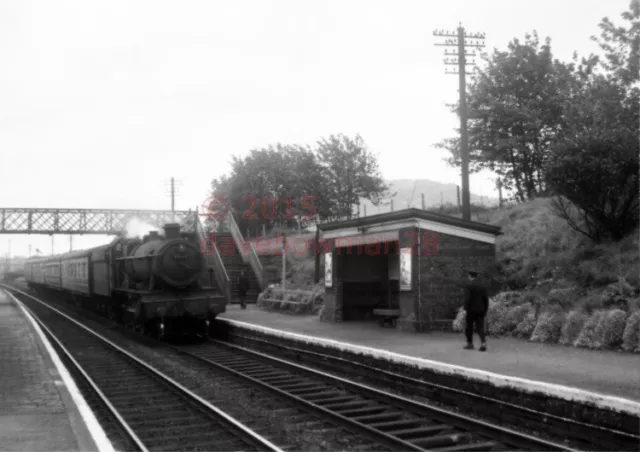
<point x="603" y="372"/>
<point x="37" y="412"/>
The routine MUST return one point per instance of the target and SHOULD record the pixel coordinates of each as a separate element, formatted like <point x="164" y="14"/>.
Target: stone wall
<point x="441" y="297"/>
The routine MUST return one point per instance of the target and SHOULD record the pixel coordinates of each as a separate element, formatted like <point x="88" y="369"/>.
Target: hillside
<point x="409" y="191"/>
<point x="555" y="285"/>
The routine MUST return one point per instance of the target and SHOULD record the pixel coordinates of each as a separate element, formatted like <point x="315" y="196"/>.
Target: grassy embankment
<point x="558" y="287"/>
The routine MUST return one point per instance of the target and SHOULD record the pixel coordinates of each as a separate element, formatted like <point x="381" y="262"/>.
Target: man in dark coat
<point x="243" y="288"/>
<point x="476" y="306"/>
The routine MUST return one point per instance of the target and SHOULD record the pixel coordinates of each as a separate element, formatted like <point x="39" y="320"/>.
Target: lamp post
<point x="284" y="260"/>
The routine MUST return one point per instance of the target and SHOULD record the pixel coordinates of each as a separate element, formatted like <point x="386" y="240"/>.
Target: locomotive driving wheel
<point x="204" y="327"/>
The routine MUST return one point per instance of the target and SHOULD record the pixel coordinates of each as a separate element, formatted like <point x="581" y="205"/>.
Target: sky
<point x="101" y="102"/>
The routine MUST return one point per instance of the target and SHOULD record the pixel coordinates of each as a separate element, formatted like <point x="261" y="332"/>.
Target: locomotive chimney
<point x="172" y="231"/>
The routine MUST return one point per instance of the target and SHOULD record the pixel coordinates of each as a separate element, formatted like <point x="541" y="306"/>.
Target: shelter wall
<point x="440" y="297"/>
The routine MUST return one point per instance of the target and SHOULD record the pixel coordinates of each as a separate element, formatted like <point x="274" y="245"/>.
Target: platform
<point x="41" y="409"/>
<point x="603" y="372"/>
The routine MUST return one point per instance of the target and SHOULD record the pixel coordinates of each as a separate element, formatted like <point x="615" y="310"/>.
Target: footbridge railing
<point x="213" y="260"/>
<point x="247" y="249"/>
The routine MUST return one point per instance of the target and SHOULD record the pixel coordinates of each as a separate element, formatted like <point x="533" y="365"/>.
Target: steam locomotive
<point x="157" y="285"/>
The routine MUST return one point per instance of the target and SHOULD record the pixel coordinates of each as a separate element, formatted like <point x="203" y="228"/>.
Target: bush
<point x="631" y="335"/>
<point x="612" y="326"/>
<point x="508" y="298"/>
<point x="562" y="297"/>
<point x="526" y="326"/>
<point x="549" y="326"/>
<point x="616" y="295"/>
<point x="591" y="303"/>
<point x="515" y="315"/>
<point x="496" y="317"/>
<point x="588" y="336"/>
<point x="573" y="324"/>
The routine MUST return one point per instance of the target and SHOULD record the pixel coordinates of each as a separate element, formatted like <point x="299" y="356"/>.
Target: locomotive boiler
<point x="159" y="283"/>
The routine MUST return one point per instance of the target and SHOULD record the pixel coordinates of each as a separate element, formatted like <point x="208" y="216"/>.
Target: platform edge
<point x="96" y="431"/>
<point x="568" y="393"/>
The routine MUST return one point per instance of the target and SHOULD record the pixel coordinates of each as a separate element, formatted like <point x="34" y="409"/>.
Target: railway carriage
<point x="148" y="284"/>
<point x="75" y="269"/>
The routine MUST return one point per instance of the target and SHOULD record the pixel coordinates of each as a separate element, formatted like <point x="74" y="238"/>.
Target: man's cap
<point x="473" y="273"/>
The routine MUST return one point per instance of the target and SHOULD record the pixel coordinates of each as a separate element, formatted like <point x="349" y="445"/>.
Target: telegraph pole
<point x="8" y="269"/>
<point x="173" y="186"/>
<point x="173" y="197"/>
<point x="462" y="40"/>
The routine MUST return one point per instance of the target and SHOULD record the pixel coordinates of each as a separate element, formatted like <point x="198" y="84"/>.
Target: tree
<point x="286" y="185"/>
<point x="594" y="166"/>
<point x="350" y="173"/>
<point x="621" y="46"/>
<point x="515" y="111"/>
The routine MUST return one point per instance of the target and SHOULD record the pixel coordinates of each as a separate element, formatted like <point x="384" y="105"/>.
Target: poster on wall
<point x="405" y="269"/>
<point x="328" y="270"/>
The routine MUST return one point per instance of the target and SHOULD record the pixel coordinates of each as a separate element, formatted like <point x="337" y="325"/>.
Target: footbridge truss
<point x="88" y="221"/>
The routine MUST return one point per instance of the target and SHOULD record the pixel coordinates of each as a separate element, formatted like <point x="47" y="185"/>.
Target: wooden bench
<point x="387" y="316"/>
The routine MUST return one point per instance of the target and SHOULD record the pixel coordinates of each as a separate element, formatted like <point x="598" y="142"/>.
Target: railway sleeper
<point x="115" y="391"/>
<point x="180" y="435"/>
<point x="197" y="427"/>
<point x="289" y="387"/>
<point x="202" y="443"/>
<point x="221" y="355"/>
<point x="354" y="404"/>
<point x="126" y="407"/>
<point x="451" y="439"/>
<point x="307" y="391"/>
<point x="224" y="362"/>
<point x="262" y="374"/>
<point x="364" y="411"/>
<point x="327" y="394"/>
<point x="389" y="425"/>
<point x="141" y="418"/>
<point x="484" y="445"/>
<point x="328" y="400"/>
<point x="247" y="367"/>
<point x="394" y="415"/>
<point x="418" y="431"/>
<point x="278" y="379"/>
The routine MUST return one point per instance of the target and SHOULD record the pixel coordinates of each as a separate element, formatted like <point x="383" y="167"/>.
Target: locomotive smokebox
<point x="172" y="231"/>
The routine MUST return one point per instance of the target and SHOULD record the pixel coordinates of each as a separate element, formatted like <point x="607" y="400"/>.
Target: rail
<point x="247" y="249"/>
<point x="160" y="393"/>
<point x="388" y="419"/>
<point x="212" y="256"/>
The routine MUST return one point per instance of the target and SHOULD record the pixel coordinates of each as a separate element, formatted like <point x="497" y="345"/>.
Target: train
<point x="157" y="285"/>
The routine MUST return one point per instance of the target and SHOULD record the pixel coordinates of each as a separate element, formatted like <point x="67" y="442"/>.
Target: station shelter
<point x="407" y="266"/>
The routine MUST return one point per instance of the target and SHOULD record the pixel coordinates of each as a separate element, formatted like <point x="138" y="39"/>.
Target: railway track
<point x="392" y="421"/>
<point x="145" y="409"/>
<point x="556" y="428"/>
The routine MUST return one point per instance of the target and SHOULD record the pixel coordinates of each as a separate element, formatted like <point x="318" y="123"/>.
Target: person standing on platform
<point x="243" y="288"/>
<point x="476" y="306"/>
